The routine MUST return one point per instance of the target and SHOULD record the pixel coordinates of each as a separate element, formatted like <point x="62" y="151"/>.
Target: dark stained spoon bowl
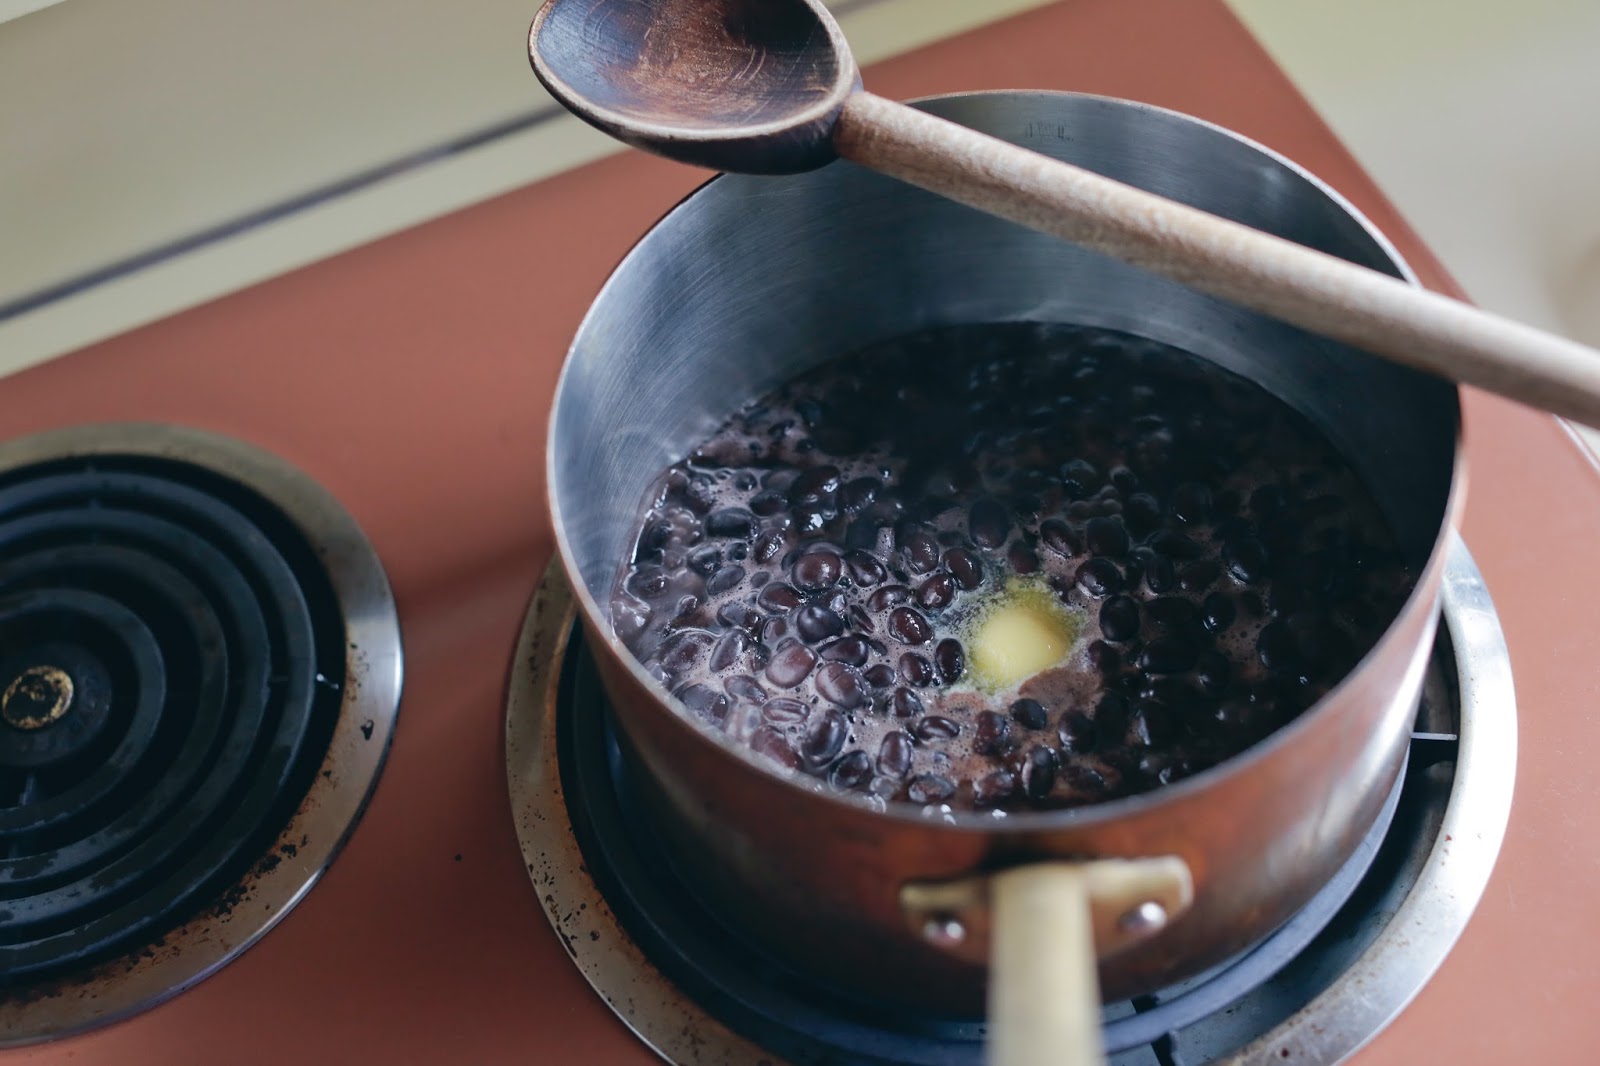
<point x="753" y="86"/>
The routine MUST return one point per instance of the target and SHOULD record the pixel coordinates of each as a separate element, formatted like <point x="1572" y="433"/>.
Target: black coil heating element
<point x="171" y="661"/>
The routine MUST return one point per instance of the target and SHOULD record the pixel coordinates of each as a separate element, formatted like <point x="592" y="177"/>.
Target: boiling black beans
<point x="805" y="579"/>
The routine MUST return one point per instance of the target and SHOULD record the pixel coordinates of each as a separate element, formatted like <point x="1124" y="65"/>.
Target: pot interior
<point x="752" y="280"/>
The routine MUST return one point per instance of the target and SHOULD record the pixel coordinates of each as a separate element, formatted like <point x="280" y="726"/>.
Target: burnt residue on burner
<point x="175" y="654"/>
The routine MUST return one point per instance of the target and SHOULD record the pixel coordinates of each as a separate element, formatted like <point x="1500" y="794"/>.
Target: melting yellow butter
<point x="1021" y="630"/>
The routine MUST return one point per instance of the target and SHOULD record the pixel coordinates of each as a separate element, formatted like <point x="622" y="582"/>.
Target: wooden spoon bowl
<point x="754" y="86"/>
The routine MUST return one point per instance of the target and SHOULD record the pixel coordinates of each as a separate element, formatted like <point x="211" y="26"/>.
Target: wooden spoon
<point x="770" y="87"/>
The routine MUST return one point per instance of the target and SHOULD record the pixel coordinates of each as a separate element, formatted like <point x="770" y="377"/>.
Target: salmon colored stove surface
<point x="410" y="379"/>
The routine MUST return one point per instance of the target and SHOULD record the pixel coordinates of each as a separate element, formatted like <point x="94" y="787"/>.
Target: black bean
<point x="768" y="503"/>
<point x="842" y="685"/>
<point x="851" y="771"/>
<point x="1039" y="772"/>
<point x="1199" y="575"/>
<point x="1151" y="724"/>
<point x="648" y="582"/>
<point x="1160" y="575"/>
<point x="773" y="630"/>
<point x="1106" y="536"/>
<point x="1027" y="506"/>
<point x="1023" y="559"/>
<point x="852" y="649"/>
<point x="988" y="524"/>
<point x="1142" y="513"/>
<point x="994" y="787"/>
<point x="699" y="494"/>
<point x="1077" y="732"/>
<point x="769" y="546"/>
<point x="683" y="649"/>
<point x="734" y="522"/>
<point x="880" y="675"/>
<point x="1168" y="655"/>
<point x="930" y="788"/>
<point x="1030" y="714"/>
<point x="815" y="488"/>
<point x="1059" y="538"/>
<point x="859" y="494"/>
<point x="705" y="560"/>
<point x="937" y="592"/>
<point x="684" y="608"/>
<point x="921" y="553"/>
<point x="950" y="659"/>
<point x="992" y="734"/>
<point x="886" y="596"/>
<point x="935" y="727"/>
<point x="1079" y="478"/>
<point x="710" y="705"/>
<point x="809" y="521"/>
<point x="906" y="704"/>
<point x="1175" y="546"/>
<point x="724" y="580"/>
<point x="1119" y="619"/>
<point x="816" y="570"/>
<point x="744" y="687"/>
<point x="1212" y="672"/>
<point x="1173" y="613"/>
<point x="1191" y="503"/>
<point x="629" y="616"/>
<point x="816" y="623"/>
<point x="1266" y="500"/>
<point x="775" y="746"/>
<point x="916" y="670"/>
<point x="1106" y="660"/>
<point x="790" y="664"/>
<point x="733" y="645"/>
<point x="784" y="711"/>
<point x="1110" y="716"/>
<point x="907" y="625"/>
<point x="1276" y="647"/>
<point x="1217" y="612"/>
<point x="777" y="596"/>
<point x="964" y="567"/>
<point x="1175" y="692"/>
<point x="824" y="738"/>
<point x="895" y="754"/>
<point x="865" y="569"/>
<point x="1246" y="559"/>
<point x="740" y="616"/>
<point x="1099" y="577"/>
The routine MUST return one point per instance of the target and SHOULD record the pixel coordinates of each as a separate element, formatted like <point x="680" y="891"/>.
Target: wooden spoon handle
<point x="1310" y="289"/>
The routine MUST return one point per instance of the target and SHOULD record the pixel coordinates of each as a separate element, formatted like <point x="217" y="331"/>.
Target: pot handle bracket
<point x="1042" y="929"/>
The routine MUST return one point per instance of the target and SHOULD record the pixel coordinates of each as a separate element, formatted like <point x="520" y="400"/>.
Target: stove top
<point x="410" y="379"/>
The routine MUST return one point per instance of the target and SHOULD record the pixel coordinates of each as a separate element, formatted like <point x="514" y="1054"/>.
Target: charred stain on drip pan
<point x="204" y="659"/>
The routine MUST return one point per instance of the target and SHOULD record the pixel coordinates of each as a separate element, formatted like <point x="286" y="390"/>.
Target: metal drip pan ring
<point x="340" y="779"/>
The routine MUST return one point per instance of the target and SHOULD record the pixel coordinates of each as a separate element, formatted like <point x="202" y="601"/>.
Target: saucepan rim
<point x="1417" y="602"/>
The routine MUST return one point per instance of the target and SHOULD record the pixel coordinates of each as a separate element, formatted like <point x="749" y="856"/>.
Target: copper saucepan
<point x="750" y="281"/>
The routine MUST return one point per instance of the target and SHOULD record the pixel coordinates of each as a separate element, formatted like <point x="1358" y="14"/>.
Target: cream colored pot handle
<point x="1042" y="929"/>
<point x="1044" y="995"/>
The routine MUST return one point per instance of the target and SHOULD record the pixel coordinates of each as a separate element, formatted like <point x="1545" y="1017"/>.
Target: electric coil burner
<point x="1311" y="993"/>
<point x="199" y="667"/>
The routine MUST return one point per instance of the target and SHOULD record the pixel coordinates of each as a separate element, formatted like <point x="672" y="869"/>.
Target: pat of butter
<point x="1024" y="632"/>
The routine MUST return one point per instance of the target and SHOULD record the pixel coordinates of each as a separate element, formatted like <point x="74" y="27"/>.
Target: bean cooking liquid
<point x="811" y="578"/>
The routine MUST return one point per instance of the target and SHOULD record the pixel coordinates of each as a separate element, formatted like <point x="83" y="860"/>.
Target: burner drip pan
<point x="197" y="648"/>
